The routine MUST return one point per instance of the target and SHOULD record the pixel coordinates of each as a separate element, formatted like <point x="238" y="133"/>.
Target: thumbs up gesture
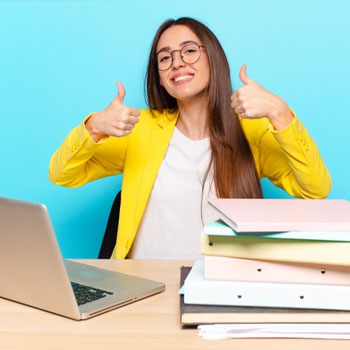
<point x="115" y="120"/>
<point x="252" y="101"/>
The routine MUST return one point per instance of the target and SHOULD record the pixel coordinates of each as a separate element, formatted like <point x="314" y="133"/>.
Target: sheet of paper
<point x="272" y="330"/>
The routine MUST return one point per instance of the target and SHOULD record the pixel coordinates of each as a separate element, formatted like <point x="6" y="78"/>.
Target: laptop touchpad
<point x="83" y="272"/>
<point x="92" y="274"/>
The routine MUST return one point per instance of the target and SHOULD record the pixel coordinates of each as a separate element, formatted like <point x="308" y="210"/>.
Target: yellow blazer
<point x="289" y="158"/>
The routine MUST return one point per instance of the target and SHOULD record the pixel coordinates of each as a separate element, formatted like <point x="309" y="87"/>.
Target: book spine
<point x="235" y="269"/>
<point x="314" y="252"/>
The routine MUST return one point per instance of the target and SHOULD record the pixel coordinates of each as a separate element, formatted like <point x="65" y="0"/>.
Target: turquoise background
<point x="59" y="61"/>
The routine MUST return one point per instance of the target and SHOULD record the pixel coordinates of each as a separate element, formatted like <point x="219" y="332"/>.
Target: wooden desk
<point x="152" y="323"/>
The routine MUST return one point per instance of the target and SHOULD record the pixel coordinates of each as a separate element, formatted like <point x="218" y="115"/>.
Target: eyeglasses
<point x="189" y="54"/>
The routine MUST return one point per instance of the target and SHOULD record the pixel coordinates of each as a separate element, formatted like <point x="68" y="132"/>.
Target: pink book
<point x="275" y="215"/>
<point x="246" y="270"/>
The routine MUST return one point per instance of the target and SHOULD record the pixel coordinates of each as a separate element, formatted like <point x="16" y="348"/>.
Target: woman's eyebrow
<point x="167" y="48"/>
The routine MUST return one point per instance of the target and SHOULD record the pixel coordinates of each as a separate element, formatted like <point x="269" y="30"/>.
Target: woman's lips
<point x="182" y="78"/>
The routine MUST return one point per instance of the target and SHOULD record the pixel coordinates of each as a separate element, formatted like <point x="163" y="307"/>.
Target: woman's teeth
<point x="183" y="77"/>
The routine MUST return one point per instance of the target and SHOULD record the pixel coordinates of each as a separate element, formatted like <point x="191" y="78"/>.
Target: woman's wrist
<point x="280" y="116"/>
<point x="91" y="128"/>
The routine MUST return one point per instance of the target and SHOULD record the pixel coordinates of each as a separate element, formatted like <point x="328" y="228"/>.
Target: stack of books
<point x="271" y="261"/>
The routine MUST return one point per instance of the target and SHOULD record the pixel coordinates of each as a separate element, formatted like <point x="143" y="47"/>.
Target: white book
<point x="197" y="290"/>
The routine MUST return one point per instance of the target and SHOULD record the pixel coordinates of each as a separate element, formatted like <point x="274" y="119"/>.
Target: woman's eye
<point x="190" y="51"/>
<point x="164" y="58"/>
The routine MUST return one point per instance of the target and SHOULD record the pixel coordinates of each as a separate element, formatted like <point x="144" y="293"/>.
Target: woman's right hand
<point x="115" y="120"/>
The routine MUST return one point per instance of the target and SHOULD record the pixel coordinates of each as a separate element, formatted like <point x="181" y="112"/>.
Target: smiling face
<point x="183" y="81"/>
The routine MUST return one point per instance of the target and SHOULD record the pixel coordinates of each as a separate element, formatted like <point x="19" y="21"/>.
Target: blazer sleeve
<point x="290" y="159"/>
<point x="79" y="159"/>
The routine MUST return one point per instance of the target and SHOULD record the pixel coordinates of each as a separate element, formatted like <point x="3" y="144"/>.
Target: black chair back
<point x="110" y="236"/>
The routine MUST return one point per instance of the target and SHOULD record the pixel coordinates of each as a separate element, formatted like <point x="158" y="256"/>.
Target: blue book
<point x="219" y="228"/>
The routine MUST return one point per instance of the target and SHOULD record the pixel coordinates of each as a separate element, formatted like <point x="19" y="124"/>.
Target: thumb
<point x="121" y="92"/>
<point x="243" y="75"/>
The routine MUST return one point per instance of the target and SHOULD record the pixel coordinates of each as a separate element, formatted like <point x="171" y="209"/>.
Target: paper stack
<point x="296" y="330"/>
<point x="302" y="273"/>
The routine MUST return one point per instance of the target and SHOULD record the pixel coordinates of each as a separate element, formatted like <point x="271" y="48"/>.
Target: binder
<point x="287" y="250"/>
<point x="219" y="228"/>
<point x="248" y="270"/>
<point x="271" y="215"/>
<point x="197" y="290"/>
<point x="191" y="314"/>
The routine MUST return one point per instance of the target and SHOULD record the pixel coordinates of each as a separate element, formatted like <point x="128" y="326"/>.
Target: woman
<point x="196" y="140"/>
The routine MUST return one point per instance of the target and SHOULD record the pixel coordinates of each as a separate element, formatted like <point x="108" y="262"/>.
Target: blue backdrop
<point x="59" y="61"/>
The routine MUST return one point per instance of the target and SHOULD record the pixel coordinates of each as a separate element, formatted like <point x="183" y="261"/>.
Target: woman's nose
<point x="177" y="60"/>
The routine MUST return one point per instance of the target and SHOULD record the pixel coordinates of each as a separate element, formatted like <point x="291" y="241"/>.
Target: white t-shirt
<point x="172" y="222"/>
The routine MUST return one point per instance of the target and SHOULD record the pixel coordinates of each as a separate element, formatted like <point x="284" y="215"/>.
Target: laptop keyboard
<point x="86" y="294"/>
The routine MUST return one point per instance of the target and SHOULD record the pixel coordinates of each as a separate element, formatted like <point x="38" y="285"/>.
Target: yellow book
<point x="289" y="250"/>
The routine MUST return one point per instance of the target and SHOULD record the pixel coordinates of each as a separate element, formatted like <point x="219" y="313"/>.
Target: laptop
<point x="276" y="215"/>
<point x="34" y="273"/>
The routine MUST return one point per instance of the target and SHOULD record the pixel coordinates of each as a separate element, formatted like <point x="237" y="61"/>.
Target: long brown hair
<point x="235" y="175"/>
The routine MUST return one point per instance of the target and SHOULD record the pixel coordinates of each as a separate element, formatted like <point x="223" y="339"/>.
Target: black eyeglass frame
<point x="181" y="56"/>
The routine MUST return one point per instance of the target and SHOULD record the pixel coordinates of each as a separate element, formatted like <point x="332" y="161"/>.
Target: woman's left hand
<point x="252" y="101"/>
